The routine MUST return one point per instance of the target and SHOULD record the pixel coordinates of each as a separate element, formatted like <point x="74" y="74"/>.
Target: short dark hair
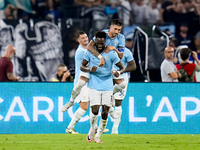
<point x="100" y="34"/>
<point x="117" y="22"/>
<point x="79" y="33"/>
<point x="185" y="53"/>
<point x="175" y="41"/>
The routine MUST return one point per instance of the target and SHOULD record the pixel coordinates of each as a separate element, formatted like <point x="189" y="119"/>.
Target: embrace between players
<point x="94" y="78"/>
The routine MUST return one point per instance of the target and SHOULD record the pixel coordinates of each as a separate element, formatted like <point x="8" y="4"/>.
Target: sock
<point x="102" y="125"/>
<point x="77" y="116"/>
<point x="77" y="89"/>
<point x="111" y="112"/>
<point x="119" y="87"/>
<point x="117" y="119"/>
<point x="93" y="120"/>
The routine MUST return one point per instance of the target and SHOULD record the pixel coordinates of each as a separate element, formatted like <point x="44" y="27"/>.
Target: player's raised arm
<point x="92" y="50"/>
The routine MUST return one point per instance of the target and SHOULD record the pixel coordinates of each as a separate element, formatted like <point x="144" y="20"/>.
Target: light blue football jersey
<point x="128" y="56"/>
<point x="118" y="41"/>
<point x="80" y="51"/>
<point x="101" y="79"/>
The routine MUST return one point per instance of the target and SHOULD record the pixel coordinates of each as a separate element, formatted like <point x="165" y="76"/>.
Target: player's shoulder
<point x="80" y="49"/>
<point x="121" y="36"/>
<point x="87" y="52"/>
<point x="113" y="53"/>
<point x="105" y="30"/>
<point x="127" y="51"/>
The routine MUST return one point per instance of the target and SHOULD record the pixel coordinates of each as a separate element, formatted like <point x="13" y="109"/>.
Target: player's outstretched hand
<point x="102" y="62"/>
<point x="93" y="69"/>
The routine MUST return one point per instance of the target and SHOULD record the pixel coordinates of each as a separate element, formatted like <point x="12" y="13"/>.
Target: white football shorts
<point x="84" y="95"/>
<point x="101" y="97"/>
<point x="121" y="94"/>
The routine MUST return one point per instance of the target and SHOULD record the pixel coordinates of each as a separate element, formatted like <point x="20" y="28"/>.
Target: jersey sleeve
<point x="115" y="57"/>
<point x="129" y="56"/>
<point x="87" y="55"/>
<point x="94" y="39"/>
<point x="121" y="41"/>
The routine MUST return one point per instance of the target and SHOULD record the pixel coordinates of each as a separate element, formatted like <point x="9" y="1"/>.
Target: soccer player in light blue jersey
<point x="129" y="64"/>
<point x="100" y="84"/>
<point x="114" y="37"/>
<point x="83" y="92"/>
<point x="114" y="41"/>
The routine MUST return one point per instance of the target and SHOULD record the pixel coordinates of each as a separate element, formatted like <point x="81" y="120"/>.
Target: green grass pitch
<point x="110" y="142"/>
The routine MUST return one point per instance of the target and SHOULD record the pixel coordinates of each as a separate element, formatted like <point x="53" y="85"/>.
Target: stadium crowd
<point x="183" y="14"/>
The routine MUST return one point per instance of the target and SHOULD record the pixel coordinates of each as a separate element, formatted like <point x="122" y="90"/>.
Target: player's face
<point x="115" y="30"/>
<point x="83" y="39"/>
<point x="100" y="44"/>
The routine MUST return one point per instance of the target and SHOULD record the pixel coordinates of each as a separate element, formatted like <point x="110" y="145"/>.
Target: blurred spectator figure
<point x="184" y="37"/>
<point x="52" y="11"/>
<point x="139" y="9"/>
<point x="188" y="5"/>
<point x="180" y="16"/>
<point x="87" y="5"/>
<point x="168" y="32"/>
<point x="2" y="14"/>
<point x="62" y="74"/>
<point x="174" y="44"/>
<point x="125" y="12"/>
<point x="39" y="6"/>
<point x="69" y="9"/>
<point x="6" y="65"/>
<point x="129" y="43"/>
<point x="190" y="68"/>
<point x="164" y="11"/>
<point x="112" y="7"/>
<point x="197" y="43"/>
<point x="153" y="13"/>
<point x="169" y="73"/>
<point x="10" y="12"/>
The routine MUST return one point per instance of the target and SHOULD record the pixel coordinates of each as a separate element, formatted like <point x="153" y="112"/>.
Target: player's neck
<point x="101" y="51"/>
<point x="85" y="47"/>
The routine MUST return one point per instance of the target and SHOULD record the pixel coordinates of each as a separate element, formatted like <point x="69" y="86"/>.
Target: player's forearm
<point x="121" y="67"/>
<point x="131" y="67"/>
<point x="84" y="68"/>
<point x="92" y="50"/>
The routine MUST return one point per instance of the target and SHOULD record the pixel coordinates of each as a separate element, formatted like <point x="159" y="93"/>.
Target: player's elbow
<point x="134" y="67"/>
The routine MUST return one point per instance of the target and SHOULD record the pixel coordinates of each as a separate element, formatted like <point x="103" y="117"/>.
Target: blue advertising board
<point x="148" y="108"/>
